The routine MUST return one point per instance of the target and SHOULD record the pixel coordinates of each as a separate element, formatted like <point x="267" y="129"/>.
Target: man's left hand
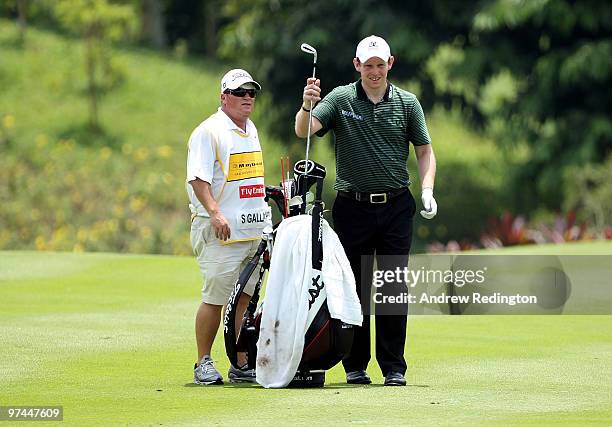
<point x="429" y="203"/>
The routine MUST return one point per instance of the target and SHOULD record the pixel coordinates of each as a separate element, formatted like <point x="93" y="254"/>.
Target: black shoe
<point x="395" y="378"/>
<point x="358" y="377"/>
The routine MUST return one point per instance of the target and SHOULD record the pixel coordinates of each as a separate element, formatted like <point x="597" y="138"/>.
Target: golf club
<point x="305" y="47"/>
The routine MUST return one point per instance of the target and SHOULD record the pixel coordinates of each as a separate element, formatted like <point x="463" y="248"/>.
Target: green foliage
<point x="39" y="10"/>
<point x="266" y="38"/>
<point x="545" y="84"/>
<point x="63" y="187"/>
<point x="98" y="23"/>
<point x="89" y="199"/>
<point x="469" y="177"/>
<point x="591" y="192"/>
<point x="99" y="19"/>
<point x="501" y="89"/>
<point x="507" y="13"/>
<point x="590" y="61"/>
<point x="536" y="75"/>
<point x="123" y="190"/>
<point x="118" y="190"/>
<point x="439" y="66"/>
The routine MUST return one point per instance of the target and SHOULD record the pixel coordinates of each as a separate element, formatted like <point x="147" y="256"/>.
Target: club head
<point x="310" y="50"/>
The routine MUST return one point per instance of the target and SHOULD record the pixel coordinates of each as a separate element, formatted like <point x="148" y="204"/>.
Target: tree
<point x="19" y="10"/>
<point x="195" y="23"/>
<point x="99" y="23"/>
<point x="153" y="25"/>
<point x="536" y="74"/>
<point x="267" y="36"/>
<point x="22" y="6"/>
<point x="591" y="194"/>
<point x="211" y="23"/>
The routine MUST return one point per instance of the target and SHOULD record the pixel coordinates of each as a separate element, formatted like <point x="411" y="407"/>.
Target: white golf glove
<point x="429" y="203"/>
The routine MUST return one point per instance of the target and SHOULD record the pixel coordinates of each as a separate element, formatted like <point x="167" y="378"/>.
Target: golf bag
<point x="327" y="340"/>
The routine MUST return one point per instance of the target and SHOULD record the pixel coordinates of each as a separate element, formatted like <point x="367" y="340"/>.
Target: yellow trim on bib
<point x="240" y="133"/>
<point x="229" y="242"/>
<point x="221" y="165"/>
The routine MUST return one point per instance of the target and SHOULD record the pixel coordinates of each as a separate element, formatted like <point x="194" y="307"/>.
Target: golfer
<point x="373" y="123"/>
<point x="225" y="184"/>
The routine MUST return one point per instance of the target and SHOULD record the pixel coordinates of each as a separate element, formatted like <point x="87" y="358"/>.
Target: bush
<point x="57" y="195"/>
<point x="590" y="193"/>
<point x="511" y="230"/>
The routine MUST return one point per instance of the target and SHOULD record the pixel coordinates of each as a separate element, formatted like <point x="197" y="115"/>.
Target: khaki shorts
<point x="220" y="265"/>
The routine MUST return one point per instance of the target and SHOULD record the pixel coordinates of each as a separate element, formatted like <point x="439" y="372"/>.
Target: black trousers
<point x="375" y="230"/>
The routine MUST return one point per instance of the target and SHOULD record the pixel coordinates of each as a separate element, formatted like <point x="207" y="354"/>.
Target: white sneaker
<point x="237" y="375"/>
<point x="205" y="373"/>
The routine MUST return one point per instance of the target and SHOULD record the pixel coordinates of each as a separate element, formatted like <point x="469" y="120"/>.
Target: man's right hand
<point x="220" y="225"/>
<point x="312" y="93"/>
<point x="310" y="97"/>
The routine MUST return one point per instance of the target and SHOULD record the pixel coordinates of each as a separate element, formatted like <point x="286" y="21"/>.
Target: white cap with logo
<point x="235" y="78"/>
<point x="373" y="46"/>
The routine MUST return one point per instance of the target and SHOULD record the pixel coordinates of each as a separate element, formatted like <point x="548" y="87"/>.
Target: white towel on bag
<point x="285" y="313"/>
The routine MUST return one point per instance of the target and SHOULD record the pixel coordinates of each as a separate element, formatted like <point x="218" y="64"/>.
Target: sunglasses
<point x="241" y="93"/>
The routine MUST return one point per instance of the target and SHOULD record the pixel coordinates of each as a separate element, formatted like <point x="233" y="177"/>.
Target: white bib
<point x="231" y="160"/>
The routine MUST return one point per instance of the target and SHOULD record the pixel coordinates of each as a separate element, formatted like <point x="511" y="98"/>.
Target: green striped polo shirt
<point x="372" y="141"/>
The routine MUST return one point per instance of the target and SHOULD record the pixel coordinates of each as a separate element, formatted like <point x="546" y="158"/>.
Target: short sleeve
<point x="325" y="112"/>
<point x="201" y="156"/>
<point x="417" y="128"/>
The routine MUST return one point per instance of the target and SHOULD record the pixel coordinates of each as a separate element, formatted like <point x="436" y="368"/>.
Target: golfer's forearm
<point x="427" y="166"/>
<point x="203" y="192"/>
<point x="301" y="123"/>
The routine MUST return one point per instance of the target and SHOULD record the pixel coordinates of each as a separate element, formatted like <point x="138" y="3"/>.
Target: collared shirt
<point x="231" y="160"/>
<point x="372" y="140"/>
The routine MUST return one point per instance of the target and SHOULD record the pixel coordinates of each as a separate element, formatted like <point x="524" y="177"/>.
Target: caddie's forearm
<point x="203" y="192"/>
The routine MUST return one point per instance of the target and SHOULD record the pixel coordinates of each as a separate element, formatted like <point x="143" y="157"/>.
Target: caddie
<point x="225" y="185"/>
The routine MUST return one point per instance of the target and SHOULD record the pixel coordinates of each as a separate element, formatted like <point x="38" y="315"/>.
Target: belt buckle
<point x="383" y="197"/>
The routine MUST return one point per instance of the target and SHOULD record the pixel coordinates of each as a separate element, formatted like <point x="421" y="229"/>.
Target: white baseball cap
<point x="235" y="78"/>
<point x="373" y="46"/>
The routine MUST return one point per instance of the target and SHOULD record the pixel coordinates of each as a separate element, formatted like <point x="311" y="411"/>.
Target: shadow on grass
<point x="330" y="386"/>
<point x="86" y="136"/>
<point x="224" y="385"/>
<point x="345" y="385"/>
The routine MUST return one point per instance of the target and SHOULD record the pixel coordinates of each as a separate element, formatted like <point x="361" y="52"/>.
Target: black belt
<point x="375" y="198"/>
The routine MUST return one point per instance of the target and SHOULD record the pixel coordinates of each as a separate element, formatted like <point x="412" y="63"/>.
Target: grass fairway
<point x="110" y="337"/>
